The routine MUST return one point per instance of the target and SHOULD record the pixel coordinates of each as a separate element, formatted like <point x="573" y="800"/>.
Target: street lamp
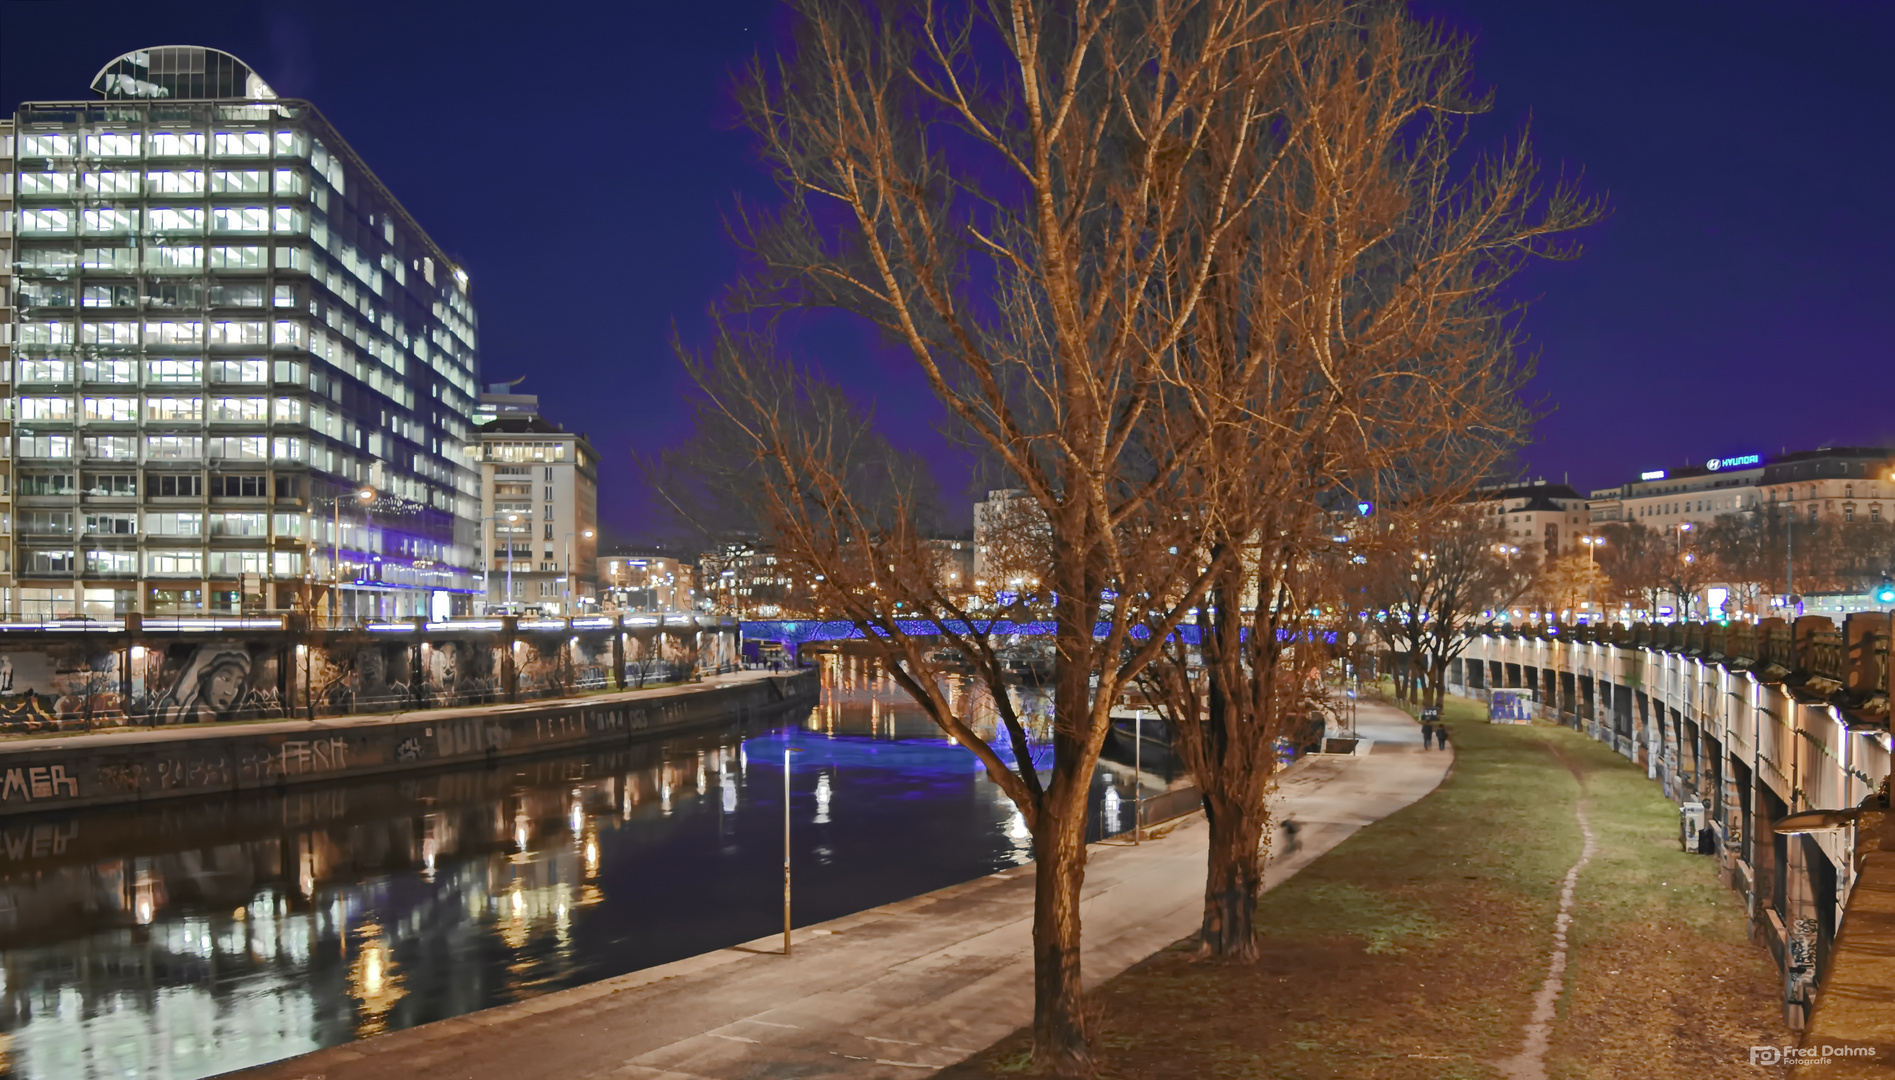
<point x="566" y="594"/>
<point x="486" y="560"/>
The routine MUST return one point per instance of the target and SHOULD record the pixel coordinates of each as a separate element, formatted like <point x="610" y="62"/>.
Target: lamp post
<point x="1684" y="559"/>
<point x="486" y="560"/>
<point x="787" y="751"/>
<point x="1591" y="542"/>
<point x="365" y="496"/>
<point x="567" y="593"/>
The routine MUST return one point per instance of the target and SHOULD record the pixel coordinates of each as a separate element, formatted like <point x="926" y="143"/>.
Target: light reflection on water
<point x="191" y="937"/>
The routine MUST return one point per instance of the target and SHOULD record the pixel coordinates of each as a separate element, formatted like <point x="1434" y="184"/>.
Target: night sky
<point x="1741" y="298"/>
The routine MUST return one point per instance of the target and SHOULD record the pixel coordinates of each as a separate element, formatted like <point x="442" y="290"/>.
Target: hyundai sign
<point x="1733" y="462"/>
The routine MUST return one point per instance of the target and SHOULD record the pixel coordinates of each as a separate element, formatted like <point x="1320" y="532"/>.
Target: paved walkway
<point x="895" y="991"/>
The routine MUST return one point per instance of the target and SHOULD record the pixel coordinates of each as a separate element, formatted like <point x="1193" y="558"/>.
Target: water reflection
<point x="191" y="937"/>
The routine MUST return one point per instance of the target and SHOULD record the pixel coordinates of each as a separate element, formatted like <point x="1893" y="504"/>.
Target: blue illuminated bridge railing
<point x="794" y="632"/>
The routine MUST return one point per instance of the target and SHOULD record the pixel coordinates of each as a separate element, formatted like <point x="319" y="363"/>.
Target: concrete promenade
<point x="895" y="991"/>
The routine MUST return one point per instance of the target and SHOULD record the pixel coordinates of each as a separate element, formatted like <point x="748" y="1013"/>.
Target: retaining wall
<point x="133" y="766"/>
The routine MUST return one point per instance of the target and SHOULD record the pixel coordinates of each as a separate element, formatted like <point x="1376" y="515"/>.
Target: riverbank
<point x="891" y="991"/>
<point x="1421" y="947"/>
<point x="127" y="765"/>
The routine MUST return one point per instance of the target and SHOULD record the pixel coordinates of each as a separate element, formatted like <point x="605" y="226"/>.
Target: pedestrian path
<point x="895" y="991"/>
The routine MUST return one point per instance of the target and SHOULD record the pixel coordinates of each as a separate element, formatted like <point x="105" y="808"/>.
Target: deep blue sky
<point x="1741" y="297"/>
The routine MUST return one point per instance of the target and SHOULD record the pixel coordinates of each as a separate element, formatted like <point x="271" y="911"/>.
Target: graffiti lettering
<point x="39" y="841"/>
<point x="313" y="755"/>
<point x="409" y="749"/>
<point x="38" y="782"/>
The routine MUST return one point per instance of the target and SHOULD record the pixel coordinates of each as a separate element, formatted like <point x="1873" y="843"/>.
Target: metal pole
<point x="1138" y="767"/>
<point x="786" y="851"/>
<point x="335" y="560"/>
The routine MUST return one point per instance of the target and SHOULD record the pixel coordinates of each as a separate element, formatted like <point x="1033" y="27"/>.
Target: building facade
<point x="1846" y="484"/>
<point x="646" y="580"/>
<point x="1546" y="518"/>
<point x="240" y="376"/>
<point x="1666" y="498"/>
<point x="539" y="519"/>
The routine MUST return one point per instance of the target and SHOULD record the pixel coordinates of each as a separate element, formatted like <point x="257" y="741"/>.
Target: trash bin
<point x="1690" y="823"/>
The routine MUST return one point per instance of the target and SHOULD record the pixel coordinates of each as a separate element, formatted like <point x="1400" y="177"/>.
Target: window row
<point x="159" y="523"/>
<point x="131" y="183"/>
<point x="131" y="333"/>
<point x="240" y="410"/>
<point x="186" y="562"/>
<point x="111" y="221"/>
<point x="166" y="370"/>
<point x="162" y="259"/>
<point x="165" y="485"/>
<point x="128" y="144"/>
<point x="157" y="294"/>
<point x="162" y="448"/>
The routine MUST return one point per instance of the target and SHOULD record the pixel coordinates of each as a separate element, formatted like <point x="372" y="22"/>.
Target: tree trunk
<point x="1059" y="1035"/>
<point x="1232" y="882"/>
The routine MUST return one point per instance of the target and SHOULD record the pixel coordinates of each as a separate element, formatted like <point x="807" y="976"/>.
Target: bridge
<point x="795" y="632"/>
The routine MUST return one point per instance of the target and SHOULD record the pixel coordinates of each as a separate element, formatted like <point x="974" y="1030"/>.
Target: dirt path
<point x="1530" y="1063"/>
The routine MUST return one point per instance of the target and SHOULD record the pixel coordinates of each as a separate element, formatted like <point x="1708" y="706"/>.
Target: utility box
<point x="1690" y="824"/>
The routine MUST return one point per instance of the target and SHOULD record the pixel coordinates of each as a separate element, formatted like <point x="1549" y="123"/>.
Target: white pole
<point x="1138" y="789"/>
<point x="786" y="851"/>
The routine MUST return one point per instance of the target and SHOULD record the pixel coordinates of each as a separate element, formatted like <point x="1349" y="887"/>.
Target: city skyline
<point x="1734" y="247"/>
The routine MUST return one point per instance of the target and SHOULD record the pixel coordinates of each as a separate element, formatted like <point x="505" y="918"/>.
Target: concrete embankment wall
<point x="132" y="766"/>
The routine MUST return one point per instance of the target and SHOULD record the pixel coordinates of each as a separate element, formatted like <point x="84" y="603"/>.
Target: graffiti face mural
<point x="216" y="681"/>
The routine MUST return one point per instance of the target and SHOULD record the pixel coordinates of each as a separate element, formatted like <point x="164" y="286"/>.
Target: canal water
<point x="186" y="938"/>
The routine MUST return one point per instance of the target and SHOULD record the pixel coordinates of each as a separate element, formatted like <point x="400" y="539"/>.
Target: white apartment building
<point x="539" y="488"/>
<point x="1548" y="518"/>
<point x="1666" y="498"/>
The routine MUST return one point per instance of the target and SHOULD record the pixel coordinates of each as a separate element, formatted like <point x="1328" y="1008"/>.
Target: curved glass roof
<point x="180" y="71"/>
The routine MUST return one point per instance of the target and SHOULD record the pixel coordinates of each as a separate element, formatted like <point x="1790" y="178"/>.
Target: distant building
<point x="954" y="558"/>
<point x="1667" y="498"/>
<point x="1008" y="527"/>
<point x="745" y="580"/>
<point x="1837" y="483"/>
<point x="1545" y="517"/>
<point x="241" y="376"/>
<point x="1832" y="483"/>
<point x="539" y="487"/>
<point x="645" y="579"/>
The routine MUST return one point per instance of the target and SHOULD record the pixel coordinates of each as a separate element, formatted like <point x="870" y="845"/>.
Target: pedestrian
<point x="1441" y="735"/>
<point x="1291" y="841"/>
<point x="1427" y="735"/>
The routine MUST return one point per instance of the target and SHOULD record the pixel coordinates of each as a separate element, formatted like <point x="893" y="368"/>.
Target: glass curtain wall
<point x="242" y="375"/>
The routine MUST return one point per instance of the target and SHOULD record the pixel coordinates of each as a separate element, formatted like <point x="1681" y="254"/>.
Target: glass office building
<point x="241" y="377"/>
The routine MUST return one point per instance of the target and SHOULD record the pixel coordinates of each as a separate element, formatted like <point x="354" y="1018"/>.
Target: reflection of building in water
<point x="108" y="960"/>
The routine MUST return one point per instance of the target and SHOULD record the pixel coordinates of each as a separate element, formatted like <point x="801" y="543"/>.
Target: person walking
<point x="1441" y="735"/>
<point x="1427" y="735"/>
<point x="1292" y="842"/>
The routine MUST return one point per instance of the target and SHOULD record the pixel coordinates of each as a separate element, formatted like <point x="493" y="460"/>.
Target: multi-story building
<point x="240" y="376"/>
<point x="1837" y="483"/>
<point x="1547" y="517"/>
<point x="645" y="579"/>
<point x="745" y="580"/>
<point x="539" y="487"/>
<point x="1667" y="498"/>
<point x="1841" y="483"/>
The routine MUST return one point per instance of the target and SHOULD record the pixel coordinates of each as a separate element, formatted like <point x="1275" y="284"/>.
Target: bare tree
<point x="1457" y="572"/>
<point x="1105" y="234"/>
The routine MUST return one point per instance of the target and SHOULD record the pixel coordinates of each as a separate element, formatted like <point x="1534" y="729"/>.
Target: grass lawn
<point x="1414" y="948"/>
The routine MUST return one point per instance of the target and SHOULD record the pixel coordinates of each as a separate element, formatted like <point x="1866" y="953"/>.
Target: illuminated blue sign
<point x="1733" y="462"/>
